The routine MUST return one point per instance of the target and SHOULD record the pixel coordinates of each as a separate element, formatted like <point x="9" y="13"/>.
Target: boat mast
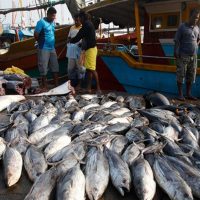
<point x="23" y="23"/>
<point x="37" y="9"/>
<point x="14" y="14"/>
<point x="138" y="32"/>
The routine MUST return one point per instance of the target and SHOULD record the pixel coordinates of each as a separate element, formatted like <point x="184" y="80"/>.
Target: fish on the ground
<point x="12" y="165"/>
<point x="34" y="163"/>
<point x="97" y="173"/>
<point x="119" y="172"/>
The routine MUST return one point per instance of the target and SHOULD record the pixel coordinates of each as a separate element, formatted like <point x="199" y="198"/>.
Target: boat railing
<point x="124" y="48"/>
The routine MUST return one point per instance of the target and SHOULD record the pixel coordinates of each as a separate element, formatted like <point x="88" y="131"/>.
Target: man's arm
<point x="177" y="40"/>
<point x="68" y="39"/>
<point x="80" y="35"/>
<point x="176" y="47"/>
<point x="36" y="36"/>
<point x="69" y="35"/>
<point x="38" y="29"/>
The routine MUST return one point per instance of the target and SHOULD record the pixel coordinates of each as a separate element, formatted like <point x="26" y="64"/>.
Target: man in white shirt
<point x="73" y="54"/>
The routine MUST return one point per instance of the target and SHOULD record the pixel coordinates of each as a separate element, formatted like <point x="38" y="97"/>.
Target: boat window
<point x="164" y="21"/>
<point x="157" y="22"/>
<point x="172" y="21"/>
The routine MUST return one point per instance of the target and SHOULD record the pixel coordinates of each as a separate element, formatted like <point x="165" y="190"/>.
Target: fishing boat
<point x="153" y="69"/>
<point x="23" y="54"/>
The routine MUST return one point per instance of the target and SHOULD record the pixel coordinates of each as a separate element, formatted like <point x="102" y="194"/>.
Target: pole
<point x="37" y="9"/>
<point x="138" y="33"/>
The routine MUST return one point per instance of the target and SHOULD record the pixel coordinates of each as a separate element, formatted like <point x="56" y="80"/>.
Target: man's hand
<point x="68" y="39"/>
<point x="36" y="36"/>
<point x="176" y="55"/>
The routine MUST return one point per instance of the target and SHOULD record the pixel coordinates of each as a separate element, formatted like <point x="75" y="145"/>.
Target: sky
<point x="31" y="17"/>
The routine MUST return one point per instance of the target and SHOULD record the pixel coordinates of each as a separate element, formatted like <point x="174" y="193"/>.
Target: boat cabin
<point x="153" y="69"/>
<point x="158" y="19"/>
<point x="161" y="20"/>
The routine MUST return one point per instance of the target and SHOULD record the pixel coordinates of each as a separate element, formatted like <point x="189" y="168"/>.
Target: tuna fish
<point x="77" y="149"/>
<point x="97" y="174"/>
<point x="12" y="164"/>
<point x="38" y="135"/>
<point x="119" y="172"/>
<point x="190" y="174"/>
<point x="2" y="146"/>
<point x="72" y="185"/>
<point x="43" y="186"/>
<point x="56" y="145"/>
<point x="155" y="99"/>
<point x="143" y="179"/>
<point x="44" y="119"/>
<point x="170" y="181"/>
<point x="118" y="144"/>
<point x="63" y="130"/>
<point x="132" y="152"/>
<point x="34" y="163"/>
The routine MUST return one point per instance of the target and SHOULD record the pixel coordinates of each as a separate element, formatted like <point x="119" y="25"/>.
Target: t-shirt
<point x="46" y="34"/>
<point x="87" y="32"/>
<point x="73" y="31"/>
<point x="73" y="50"/>
<point x="187" y="38"/>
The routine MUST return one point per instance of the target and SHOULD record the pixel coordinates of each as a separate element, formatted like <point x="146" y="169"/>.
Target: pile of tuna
<point x="77" y="144"/>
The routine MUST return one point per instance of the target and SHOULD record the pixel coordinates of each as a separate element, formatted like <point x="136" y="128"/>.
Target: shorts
<point x="186" y="69"/>
<point x="90" y="59"/>
<point x="74" y="69"/>
<point x="47" y="59"/>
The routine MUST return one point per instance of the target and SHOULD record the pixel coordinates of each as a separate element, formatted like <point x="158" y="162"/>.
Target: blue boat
<point x="153" y="69"/>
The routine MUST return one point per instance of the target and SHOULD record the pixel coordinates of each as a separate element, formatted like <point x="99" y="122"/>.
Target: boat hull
<point x="135" y="79"/>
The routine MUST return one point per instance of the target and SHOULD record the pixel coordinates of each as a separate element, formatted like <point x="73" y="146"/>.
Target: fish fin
<point x="121" y="191"/>
<point x="189" y="154"/>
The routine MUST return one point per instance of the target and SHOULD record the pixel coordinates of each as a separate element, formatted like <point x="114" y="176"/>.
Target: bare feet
<point x="72" y="90"/>
<point x="19" y="90"/>
<point x="99" y="92"/>
<point x="89" y="91"/>
<point x="181" y="98"/>
<point x="77" y="88"/>
<point x="190" y="97"/>
<point x="40" y="90"/>
<point x="2" y="92"/>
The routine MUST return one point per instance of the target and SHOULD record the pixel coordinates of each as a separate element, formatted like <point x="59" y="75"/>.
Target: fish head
<point x="124" y="186"/>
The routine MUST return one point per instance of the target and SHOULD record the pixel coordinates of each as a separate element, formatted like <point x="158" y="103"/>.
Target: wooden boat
<point x="154" y="69"/>
<point x="23" y="54"/>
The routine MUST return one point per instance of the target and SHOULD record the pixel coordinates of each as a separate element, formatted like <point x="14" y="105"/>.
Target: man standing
<point x="186" y="48"/>
<point x="45" y="36"/>
<point x="73" y="54"/>
<point x="87" y="34"/>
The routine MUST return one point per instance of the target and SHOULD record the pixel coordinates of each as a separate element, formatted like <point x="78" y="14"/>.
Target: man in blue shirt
<point x="186" y="48"/>
<point x="44" y="35"/>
